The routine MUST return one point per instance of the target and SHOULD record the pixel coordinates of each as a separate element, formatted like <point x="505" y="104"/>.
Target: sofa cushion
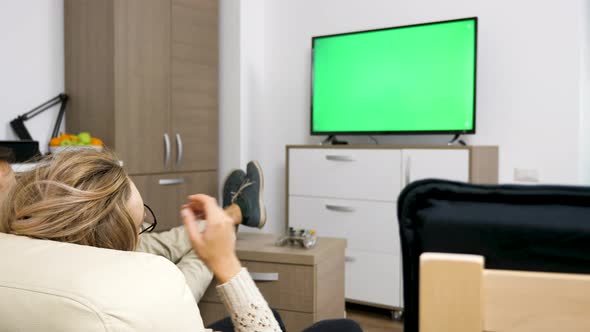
<point x="55" y="286"/>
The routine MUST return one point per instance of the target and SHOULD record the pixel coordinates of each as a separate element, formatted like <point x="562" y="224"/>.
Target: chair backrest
<point x="457" y="294"/>
<point x="524" y="228"/>
<point x="54" y="286"/>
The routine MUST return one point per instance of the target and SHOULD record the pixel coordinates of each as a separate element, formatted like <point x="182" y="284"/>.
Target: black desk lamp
<point x="18" y="124"/>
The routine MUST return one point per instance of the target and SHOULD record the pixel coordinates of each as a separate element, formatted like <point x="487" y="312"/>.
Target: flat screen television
<point x="414" y="79"/>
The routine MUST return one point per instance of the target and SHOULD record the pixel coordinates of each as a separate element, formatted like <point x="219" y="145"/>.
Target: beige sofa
<point x="53" y="286"/>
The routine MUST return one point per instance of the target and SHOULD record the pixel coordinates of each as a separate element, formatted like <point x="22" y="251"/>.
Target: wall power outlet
<point x="526" y="175"/>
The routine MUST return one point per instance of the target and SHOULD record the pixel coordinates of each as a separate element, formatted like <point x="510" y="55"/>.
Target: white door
<point x="373" y="278"/>
<point x="448" y="164"/>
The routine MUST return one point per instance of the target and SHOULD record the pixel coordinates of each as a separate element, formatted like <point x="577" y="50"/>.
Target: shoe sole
<point x="260" y="194"/>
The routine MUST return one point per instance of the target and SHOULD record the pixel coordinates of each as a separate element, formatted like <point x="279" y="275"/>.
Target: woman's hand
<point x="216" y="244"/>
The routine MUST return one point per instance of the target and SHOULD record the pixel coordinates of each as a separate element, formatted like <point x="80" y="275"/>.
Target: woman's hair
<point x="6" y="178"/>
<point x="76" y="196"/>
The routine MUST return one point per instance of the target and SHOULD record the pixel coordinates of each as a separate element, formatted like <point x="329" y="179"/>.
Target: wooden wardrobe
<point x="142" y="75"/>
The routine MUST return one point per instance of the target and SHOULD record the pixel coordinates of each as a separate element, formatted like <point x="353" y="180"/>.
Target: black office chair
<point x="515" y="227"/>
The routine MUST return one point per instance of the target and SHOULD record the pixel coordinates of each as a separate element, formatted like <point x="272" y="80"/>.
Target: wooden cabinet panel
<point x="142" y="83"/>
<point x="89" y="71"/>
<point x="194" y="84"/>
<point x="330" y="286"/>
<point x="294" y="289"/>
<point x="165" y="193"/>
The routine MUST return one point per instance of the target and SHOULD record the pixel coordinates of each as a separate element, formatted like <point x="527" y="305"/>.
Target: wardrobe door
<point x="142" y="85"/>
<point x="194" y="91"/>
<point x="89" y="73"/>
<point x="160" y="193"/>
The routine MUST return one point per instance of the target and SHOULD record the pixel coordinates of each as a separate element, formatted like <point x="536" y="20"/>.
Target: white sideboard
<point x="351" y="192"/>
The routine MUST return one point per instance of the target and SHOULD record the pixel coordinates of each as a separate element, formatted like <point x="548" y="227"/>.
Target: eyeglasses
<point x="149" y="220"/>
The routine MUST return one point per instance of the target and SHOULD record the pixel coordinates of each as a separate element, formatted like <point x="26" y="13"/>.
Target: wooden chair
<point x="457" y="294"/>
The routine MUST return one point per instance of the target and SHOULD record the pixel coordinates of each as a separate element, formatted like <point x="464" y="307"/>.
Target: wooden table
<point x="303" y="285"/>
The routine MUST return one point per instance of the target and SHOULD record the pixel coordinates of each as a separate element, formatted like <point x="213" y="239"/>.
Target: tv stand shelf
<point x="350" y="191"/>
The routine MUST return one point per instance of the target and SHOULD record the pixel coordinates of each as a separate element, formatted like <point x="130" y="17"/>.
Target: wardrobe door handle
<point x="339" y="158"/>
<point x="178" y="150"/>
<point x="168" y="182"/>
<point x="339" y="208"/>
<point x="260" y="276"/>
<point x="166" y="151"/>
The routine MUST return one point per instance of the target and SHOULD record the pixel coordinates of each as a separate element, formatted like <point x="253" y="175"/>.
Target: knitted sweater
<point x="247" y="307"/>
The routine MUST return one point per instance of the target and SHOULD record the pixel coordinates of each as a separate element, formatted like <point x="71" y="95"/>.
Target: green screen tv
<point x="415" y="79"/>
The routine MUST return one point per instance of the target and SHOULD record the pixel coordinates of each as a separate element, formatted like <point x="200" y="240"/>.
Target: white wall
<point x="585" y="97"/>
<point x="230" y="134"/>
<point x="532" y="77"/>
<point x="529" y="74"/>
<point x="31" y="64"/>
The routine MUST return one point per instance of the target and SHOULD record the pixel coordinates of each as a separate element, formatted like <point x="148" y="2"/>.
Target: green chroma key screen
<point x="418" y="78"/>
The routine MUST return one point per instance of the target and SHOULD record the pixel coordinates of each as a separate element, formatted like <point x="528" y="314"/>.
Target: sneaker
<point x="249" y="197"/>
<point x="231" y="185"/>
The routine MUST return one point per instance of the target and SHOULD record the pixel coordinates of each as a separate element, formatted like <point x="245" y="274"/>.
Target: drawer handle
<point x="168" y="182"/>
<point x="260" y="276"/>
<point x="339" y="158"/>
<point x="349" y="259"/>
<point x="338" y="208"/>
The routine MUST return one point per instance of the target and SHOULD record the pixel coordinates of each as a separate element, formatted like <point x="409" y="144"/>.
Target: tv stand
<point x="333" y="140"/>
<point x="335" y="190"/>
<point x="456" y="140"/>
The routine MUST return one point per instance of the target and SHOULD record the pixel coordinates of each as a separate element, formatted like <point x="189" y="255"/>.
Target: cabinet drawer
<point x="345" y="173"/>
<point x="165" y="193"/>
<point x="294" y="321"/>
<point x="366" y="225"/>
<point x="373" y="278"/>
<point x="293" y="288"/>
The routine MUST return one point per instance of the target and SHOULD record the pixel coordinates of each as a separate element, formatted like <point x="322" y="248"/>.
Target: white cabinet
<point x="335" y="173"/>
<point x="421" y="164"/>
<point x="367" y="225"/>
<point x="351" y="192"/>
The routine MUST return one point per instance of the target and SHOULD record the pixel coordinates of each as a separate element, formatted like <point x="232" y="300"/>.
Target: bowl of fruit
<point x="75" y="142"/>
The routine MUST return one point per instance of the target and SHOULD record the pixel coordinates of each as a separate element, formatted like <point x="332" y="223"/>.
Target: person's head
<point x="82" y="197"/>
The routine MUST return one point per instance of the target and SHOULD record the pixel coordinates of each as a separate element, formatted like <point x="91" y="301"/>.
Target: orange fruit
<point x="56" y="141"/>
<point x="96" y="141"/>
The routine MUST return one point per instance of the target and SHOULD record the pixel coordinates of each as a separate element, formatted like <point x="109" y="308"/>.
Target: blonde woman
<point x="86" y="198"/>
